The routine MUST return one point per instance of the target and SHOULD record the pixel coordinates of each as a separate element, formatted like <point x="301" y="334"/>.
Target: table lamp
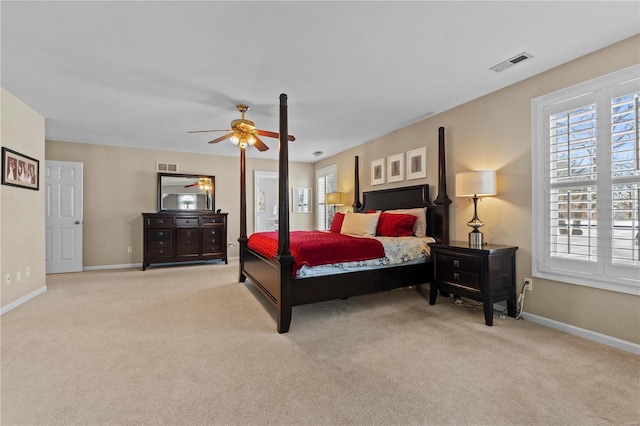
<point x="476" y="184"/>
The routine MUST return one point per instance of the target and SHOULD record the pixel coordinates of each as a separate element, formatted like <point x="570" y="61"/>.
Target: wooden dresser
<point x="184" y="237"/>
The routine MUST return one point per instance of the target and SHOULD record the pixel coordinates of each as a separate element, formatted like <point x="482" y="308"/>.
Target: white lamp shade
<point x="334" y="199"/>
<point x="480" y="183"/>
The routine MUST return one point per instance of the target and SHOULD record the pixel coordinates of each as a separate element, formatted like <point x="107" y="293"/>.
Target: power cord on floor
<point x="520" y="302"/>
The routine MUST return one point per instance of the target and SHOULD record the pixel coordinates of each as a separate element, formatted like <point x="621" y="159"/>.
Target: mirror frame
<point x="186" y="176"/>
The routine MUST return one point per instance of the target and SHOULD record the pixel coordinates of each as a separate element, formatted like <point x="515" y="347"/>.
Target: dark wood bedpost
<point x="284" y="257"/>
<point x="442" y="201"/>
<point x="242" y="241"/>
<point x="357" y="205"/>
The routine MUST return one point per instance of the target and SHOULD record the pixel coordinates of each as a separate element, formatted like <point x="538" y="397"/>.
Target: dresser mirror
<point x="184" y="192"/>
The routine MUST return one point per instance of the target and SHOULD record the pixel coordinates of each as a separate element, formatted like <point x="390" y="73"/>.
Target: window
<point x="586" y="154"/>
<point x="325" y="182"/>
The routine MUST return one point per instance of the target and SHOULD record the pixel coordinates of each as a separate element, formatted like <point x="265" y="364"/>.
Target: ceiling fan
<point x="243" y="132"/>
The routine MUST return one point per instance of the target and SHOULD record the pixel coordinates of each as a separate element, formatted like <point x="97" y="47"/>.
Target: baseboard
<point x="121" y="266"/>
<point x="624" y="345"/>
<point x="22" y="300"/>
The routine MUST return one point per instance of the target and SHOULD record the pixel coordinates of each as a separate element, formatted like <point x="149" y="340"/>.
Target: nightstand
<point x="486" y="274"/>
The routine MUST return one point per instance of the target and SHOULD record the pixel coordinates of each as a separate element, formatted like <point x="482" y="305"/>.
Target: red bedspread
<point x="313" y="248"/>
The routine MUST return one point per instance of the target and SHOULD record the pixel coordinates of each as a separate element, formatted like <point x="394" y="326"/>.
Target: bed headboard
<point x="407" y="197"/>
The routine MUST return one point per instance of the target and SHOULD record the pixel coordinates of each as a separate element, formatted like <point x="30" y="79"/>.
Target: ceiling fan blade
<point x="221" y="138"/>
<point x="206" y="131"/>
<point x="275" y="135"/>
<point x="193" y="184"/>
<point x="260" y="145"/>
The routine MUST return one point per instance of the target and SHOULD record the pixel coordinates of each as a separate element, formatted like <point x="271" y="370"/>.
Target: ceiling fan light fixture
<point x="234" y="139"/>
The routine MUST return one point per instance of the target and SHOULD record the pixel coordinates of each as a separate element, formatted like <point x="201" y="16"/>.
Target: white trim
<point x="624" y="345"/>
<point x="597" y="275"/>
<point x="121" y="266"/>
<point x="22" y="300"/>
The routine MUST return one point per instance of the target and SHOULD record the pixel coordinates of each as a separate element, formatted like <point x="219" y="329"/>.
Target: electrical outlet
<point x="129" y="249"/>
<point x="27" y="271"/>
<point x="7" y="279"/>
<point x="18" y="276"/>
<point x="528" y="284"/>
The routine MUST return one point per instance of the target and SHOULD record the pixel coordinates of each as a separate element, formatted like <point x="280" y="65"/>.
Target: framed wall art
<point x="395" y="168"/>
<point x="20" y="170"/>
<point x="377" y="172"/>
<point x="417" y="163"/>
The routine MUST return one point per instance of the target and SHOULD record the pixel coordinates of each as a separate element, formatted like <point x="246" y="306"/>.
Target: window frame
<point x="608" y="277"/>
<point x="331" y="170"/>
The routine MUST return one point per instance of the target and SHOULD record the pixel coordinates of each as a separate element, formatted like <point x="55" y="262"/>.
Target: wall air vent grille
<point x="511" y="62"/>
<point x="167" y="167"/>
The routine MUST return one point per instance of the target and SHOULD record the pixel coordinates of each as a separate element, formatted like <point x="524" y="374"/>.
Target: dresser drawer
<point x="460" y="262"/>
<point x="455" y="276"/>
<point x="160" y="238"/>
<point x="189" y="250"/>
<point x="187" y="222"/>
<point x="159" y="252"/>
<point x="212" y="246"/>
<point x="213" y="220"/>
<point x="188" y="237"/>
<point x="159" y="222"/>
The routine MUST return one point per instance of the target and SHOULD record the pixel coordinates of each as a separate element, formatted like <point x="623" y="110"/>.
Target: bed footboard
<point x="273" y="280"/>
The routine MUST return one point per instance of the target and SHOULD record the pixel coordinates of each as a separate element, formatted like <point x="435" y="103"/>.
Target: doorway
<point x="265" y="204"/>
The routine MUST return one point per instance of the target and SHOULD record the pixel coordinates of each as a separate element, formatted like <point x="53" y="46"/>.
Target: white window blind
<point x="586" y="212"/>
<point x="325" y="182"/>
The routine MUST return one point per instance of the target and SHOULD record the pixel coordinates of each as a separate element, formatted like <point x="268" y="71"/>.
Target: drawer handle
<point x="161" y="251"/>
<point x="456" y="263"/>
<point x="456" y="276"/>
<point x="161" y="233"/>
<point x="161" y="242"/>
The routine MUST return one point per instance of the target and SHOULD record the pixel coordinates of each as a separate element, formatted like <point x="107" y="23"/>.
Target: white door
<point x="63" y="221"/>
<point x="266" y="201"/>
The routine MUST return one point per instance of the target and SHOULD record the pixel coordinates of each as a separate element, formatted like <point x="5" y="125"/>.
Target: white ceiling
<point x="141" y="74"/>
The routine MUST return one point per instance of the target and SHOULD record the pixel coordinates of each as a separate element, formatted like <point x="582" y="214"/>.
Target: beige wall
<point x="21" y="210"/>
<point x="494" y="133"/>
<point x="120" y="184"/>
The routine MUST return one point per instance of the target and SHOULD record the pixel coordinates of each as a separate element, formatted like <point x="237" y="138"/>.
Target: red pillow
<point x="395" y="225"/>
<point x="336" y="223"/>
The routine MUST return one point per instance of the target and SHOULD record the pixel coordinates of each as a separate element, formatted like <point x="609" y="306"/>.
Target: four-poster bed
<point x="273" y="276"/>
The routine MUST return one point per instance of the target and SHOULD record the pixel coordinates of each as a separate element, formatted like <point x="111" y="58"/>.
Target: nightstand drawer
<point x="460" y="262"/>
<point x="456" y="276"/>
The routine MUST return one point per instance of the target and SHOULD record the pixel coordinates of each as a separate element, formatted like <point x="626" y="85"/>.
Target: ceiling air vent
<point x="511" y="62"/>
<point x="167" y="167"/>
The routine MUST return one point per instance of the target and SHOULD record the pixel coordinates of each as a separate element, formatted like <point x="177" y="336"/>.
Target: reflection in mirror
<point x="185" y="192"/>
<point x="301" y="201"/>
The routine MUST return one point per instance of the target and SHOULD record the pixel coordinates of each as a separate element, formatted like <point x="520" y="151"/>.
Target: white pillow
<point x="360" y="224"/>
<point x="420" y="228"/>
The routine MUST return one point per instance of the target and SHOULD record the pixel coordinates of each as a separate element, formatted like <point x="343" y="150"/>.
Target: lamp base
<point x="476" y="239"/>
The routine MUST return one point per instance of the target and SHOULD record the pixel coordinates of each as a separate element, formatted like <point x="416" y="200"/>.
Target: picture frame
<point x="377" y="172"/>
<point x="417" y="163"/>
<point x="301" y="200"/>
<point x="395" y="168"/>
<point x="20" y="170"/>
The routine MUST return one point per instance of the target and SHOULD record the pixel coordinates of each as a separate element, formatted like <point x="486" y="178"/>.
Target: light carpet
<point x="189" y="345"/>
